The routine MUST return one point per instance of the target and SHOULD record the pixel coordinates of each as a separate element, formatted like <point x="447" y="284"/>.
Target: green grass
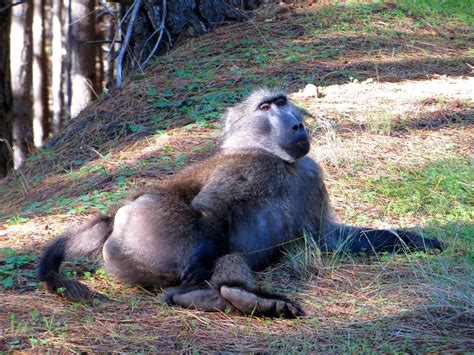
<point x="442" y="190"/>
<point x="438" y="9"/>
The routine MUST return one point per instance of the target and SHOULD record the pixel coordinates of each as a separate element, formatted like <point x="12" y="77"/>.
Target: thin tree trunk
<point x="57" y="65"/>
<point x="6" y="158"/>
<point x="99" y="62"/>
<point x="83" y="70"/>
<point x="40" y="75"/>
<point x="67" y="36"/>
<point x="21" y="70"/>
<point x="110" y="29"/>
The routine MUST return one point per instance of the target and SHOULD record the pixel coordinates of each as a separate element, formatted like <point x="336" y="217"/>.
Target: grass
<point x="460" y="9"/>
<point x="392" y="131"/>
<point x="441" y="190"/>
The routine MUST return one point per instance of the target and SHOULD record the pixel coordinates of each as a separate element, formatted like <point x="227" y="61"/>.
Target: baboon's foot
<point x="260" y="304"/>
<point x="207" y="300"/>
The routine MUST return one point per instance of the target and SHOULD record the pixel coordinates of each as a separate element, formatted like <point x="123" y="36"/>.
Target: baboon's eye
<point x="280" y="102"/>
<point x="264" y="107"/>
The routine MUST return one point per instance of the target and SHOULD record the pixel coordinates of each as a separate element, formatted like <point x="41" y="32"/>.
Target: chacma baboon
<point x="222" y="218"/>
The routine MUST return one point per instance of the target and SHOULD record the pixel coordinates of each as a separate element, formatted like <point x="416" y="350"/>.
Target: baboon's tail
<point x="83" y="241"/>
<point x="355" y="240"/>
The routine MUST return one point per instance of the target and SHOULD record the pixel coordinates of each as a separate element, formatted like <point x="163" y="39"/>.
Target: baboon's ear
<point x="230" y="117"/>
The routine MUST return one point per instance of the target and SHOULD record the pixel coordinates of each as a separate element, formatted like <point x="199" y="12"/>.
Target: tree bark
<point x="40" y="75"/>
<point x="83" y="55"/>
<point x="21" y="37"/>
<point x="6" y="157"/>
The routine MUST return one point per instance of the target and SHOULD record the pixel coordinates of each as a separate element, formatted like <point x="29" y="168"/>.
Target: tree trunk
<point x="57" y="65"/>
<point x="184" y="18"/>
<point x="100" y="35"/>
<point x="21" y="37"/>
<point x="83" y="55"/>
<point x="6" y="157"/>
<point x="109" y="34"/>
<point x="40" y="75"/>
<point x="66" y="64"/>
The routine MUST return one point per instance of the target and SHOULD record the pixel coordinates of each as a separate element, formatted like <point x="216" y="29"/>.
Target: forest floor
<point x="392" y="127"/>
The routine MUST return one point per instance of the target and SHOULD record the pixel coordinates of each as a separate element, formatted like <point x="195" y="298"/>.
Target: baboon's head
<point x="266" y="120"/>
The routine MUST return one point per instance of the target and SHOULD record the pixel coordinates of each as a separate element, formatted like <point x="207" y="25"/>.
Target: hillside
<point x="392" y="127"/>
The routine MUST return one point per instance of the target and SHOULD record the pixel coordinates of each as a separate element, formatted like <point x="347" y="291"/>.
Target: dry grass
<point x="416" y="110"/>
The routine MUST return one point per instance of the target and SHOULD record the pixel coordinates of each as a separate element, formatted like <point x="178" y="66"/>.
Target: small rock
<point x="270" y="11"/>
<point x="310" y="90"/>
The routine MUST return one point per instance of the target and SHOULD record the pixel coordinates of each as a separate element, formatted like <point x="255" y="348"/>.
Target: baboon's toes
<point x="250" y="303"/>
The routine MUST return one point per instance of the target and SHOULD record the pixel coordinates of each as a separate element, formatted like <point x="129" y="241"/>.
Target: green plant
<point x="10" y="267"/>
<point x="17" y="219"/>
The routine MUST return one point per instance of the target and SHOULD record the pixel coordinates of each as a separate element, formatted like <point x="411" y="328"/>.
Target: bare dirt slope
<point x="392" y="126"/>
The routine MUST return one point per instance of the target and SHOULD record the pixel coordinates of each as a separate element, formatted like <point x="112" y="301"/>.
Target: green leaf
<point x="8" y="282"/>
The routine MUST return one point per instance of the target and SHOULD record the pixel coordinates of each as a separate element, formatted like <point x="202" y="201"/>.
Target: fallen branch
<point x="123" y="48"/>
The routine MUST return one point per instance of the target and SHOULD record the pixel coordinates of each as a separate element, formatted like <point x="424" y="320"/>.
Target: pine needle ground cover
<point x="392" y="127"/>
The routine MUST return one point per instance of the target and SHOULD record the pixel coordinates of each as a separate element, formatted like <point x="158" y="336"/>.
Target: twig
<point x="83" y="17"/>
<point x="148" y="40"/>
<point x="149" y="11"/>
<point x="101" y="41"/>
<point x="107" y="9"/>
<point x="6" y="7"/>
<point x="156" y="26"/>
<point x="123" y="49"/>
<point x="162" y="30"/>
<point x="118" y="29"/>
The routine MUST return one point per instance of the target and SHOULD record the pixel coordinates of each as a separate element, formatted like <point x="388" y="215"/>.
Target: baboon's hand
<point x="249" y="302"/>
<point x="195" y="274"/>
<point x="200" y="266"/>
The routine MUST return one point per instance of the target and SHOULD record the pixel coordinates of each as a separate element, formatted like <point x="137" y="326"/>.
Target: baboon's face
<point x="266" y="120"/>
<point x="282" y="122"/>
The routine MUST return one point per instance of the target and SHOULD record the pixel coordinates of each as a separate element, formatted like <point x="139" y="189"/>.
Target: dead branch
<point x="101" y="41"/>
<point x="123" y="48"/>
<point x="118" y="29"/>
<point x="107" y="8"/>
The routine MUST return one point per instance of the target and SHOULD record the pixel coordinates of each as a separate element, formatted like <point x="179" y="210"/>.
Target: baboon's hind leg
<point x="233" y="288"/>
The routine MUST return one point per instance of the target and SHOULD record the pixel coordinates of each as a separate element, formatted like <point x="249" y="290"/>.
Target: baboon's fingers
<point x="195" y="274"/>
<point x="205" y="300"/>
<point x="250" y="303"/>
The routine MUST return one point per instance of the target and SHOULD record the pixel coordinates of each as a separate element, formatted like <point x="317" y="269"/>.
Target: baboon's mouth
<point x="300" y="148"/>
